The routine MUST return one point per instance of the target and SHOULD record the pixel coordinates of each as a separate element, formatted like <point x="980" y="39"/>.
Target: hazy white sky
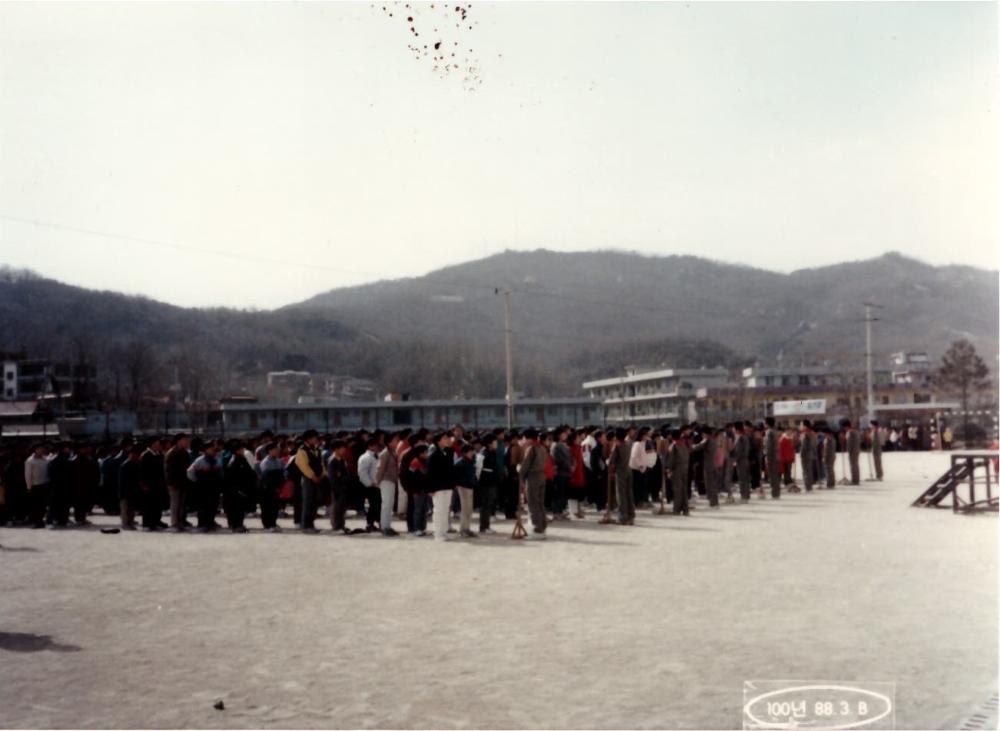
<point x="781" y="135"/>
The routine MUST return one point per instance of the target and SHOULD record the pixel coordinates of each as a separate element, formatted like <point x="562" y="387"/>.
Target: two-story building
<point x="653" y="396"/>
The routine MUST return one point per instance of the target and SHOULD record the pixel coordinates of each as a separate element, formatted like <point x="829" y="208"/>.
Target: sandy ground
<point x="600" y="626"/>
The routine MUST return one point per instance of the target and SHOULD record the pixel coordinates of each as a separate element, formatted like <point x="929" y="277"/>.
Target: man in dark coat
<point x="771" y="462"/>
<point x="618" y="464"/>
<point x="707" y="447"/>
<point x="175" y="466"/>
<point x="129" y="486"/>
<point x="239" y="488"/>
<point x="853" y="445"/>
<point x="60" y="486"/>
<point x="741" y="451"/>
<point x="807" y="453"/>
<point x="152" y="484"/>
<point x="830" y="457"/>
<point x="677" y="470"/>
<point x="86" y="482"/>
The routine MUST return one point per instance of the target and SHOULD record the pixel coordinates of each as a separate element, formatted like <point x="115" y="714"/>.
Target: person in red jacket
<point x="546" y="440"/>
<point x="578" y="478"/>
<point x="786" y="456"/>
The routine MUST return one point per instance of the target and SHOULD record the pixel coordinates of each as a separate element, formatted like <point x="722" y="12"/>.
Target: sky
<point x="253" y="155"/>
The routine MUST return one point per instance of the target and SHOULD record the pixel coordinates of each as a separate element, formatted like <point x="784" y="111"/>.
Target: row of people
<point x="412" y="476"/>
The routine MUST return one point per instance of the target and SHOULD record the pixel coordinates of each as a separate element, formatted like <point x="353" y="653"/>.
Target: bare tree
<point x="964" y="371"/>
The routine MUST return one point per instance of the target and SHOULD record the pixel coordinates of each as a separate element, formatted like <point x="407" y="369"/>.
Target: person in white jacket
<point x="367" y="468"/>
<point x="637" y="463"/>
<point x="36" y="479"/>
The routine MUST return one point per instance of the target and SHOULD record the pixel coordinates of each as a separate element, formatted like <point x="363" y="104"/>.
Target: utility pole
<point x="868" y="358"/>
<point x="510" y="357"/>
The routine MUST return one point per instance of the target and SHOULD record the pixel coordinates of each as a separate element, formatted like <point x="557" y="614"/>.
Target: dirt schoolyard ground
<point x="654" y="626"/>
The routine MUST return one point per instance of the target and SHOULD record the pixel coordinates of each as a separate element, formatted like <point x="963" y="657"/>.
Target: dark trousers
<point x="338" y="505"/>
<point x="416" y="512"/>
<point x="488" y="499"/>
<point x="207" y="497"/>
<point x="560" y="492"/>
<point x="150" y="507"/>
<point x="626" y="496"/>
<point x="59" y="502"/>
<point x="510" y="490"/>
<point x="638" y="487"/>
<point x="297" y="500"/>
<point x="712" y="485"/>
<point x="743" y="476"/>
<point x="599" y="489"/>
<point x="535" y="489"/>
<point x="754" y="474"/>
<point x="786" y="471"/>
<point x="654" y="482"/>
<point x="268" y="507"/>
<point x="309" y="491"/>
<point x="374" y="496"/>
<point x="83" y="501"/>
<point x="679" y="485"/>
<point x="774" y="478"/>
<point x="233" y="504"/>
<point x="38" y="501"/>
<point x="697" y="470"/>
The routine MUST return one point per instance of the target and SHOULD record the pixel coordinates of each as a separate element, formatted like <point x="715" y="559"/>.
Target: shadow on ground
<point x="25" y="642"/>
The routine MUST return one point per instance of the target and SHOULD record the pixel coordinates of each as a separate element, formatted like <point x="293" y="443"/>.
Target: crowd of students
<point x="415" y="476"/>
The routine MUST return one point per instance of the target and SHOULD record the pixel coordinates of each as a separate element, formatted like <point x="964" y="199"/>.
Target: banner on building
<point x="802" y="407"/>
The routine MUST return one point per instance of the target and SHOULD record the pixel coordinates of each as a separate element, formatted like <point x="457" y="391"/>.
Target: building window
<point x="336" y="418"/>
<point x="540" y="415"/>
<point x="253" y="419"/>
<point x="283" y="420"/>
<point x="467" y="416"/>
<point x="803" y="380"/>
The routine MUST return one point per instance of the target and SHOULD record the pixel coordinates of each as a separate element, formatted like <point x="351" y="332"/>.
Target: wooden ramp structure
<point x="968" y="471"/>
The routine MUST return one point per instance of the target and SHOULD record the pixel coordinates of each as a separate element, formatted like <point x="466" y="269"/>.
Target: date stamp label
<point x="848" y="704"/>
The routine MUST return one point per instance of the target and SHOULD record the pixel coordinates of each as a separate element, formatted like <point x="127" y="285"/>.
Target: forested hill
<point x="565" y="303"/>
<point x="575" y="316"/>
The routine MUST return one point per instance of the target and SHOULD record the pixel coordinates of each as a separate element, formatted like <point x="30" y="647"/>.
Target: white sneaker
<point x="488" y="531"/>
<point x="535" y="536"/>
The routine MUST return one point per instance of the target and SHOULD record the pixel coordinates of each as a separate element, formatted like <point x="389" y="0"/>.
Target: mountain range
<point x="574" y="316"/>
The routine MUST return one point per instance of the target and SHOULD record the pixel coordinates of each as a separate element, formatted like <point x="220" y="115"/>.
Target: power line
<point x="310" y="266"/>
